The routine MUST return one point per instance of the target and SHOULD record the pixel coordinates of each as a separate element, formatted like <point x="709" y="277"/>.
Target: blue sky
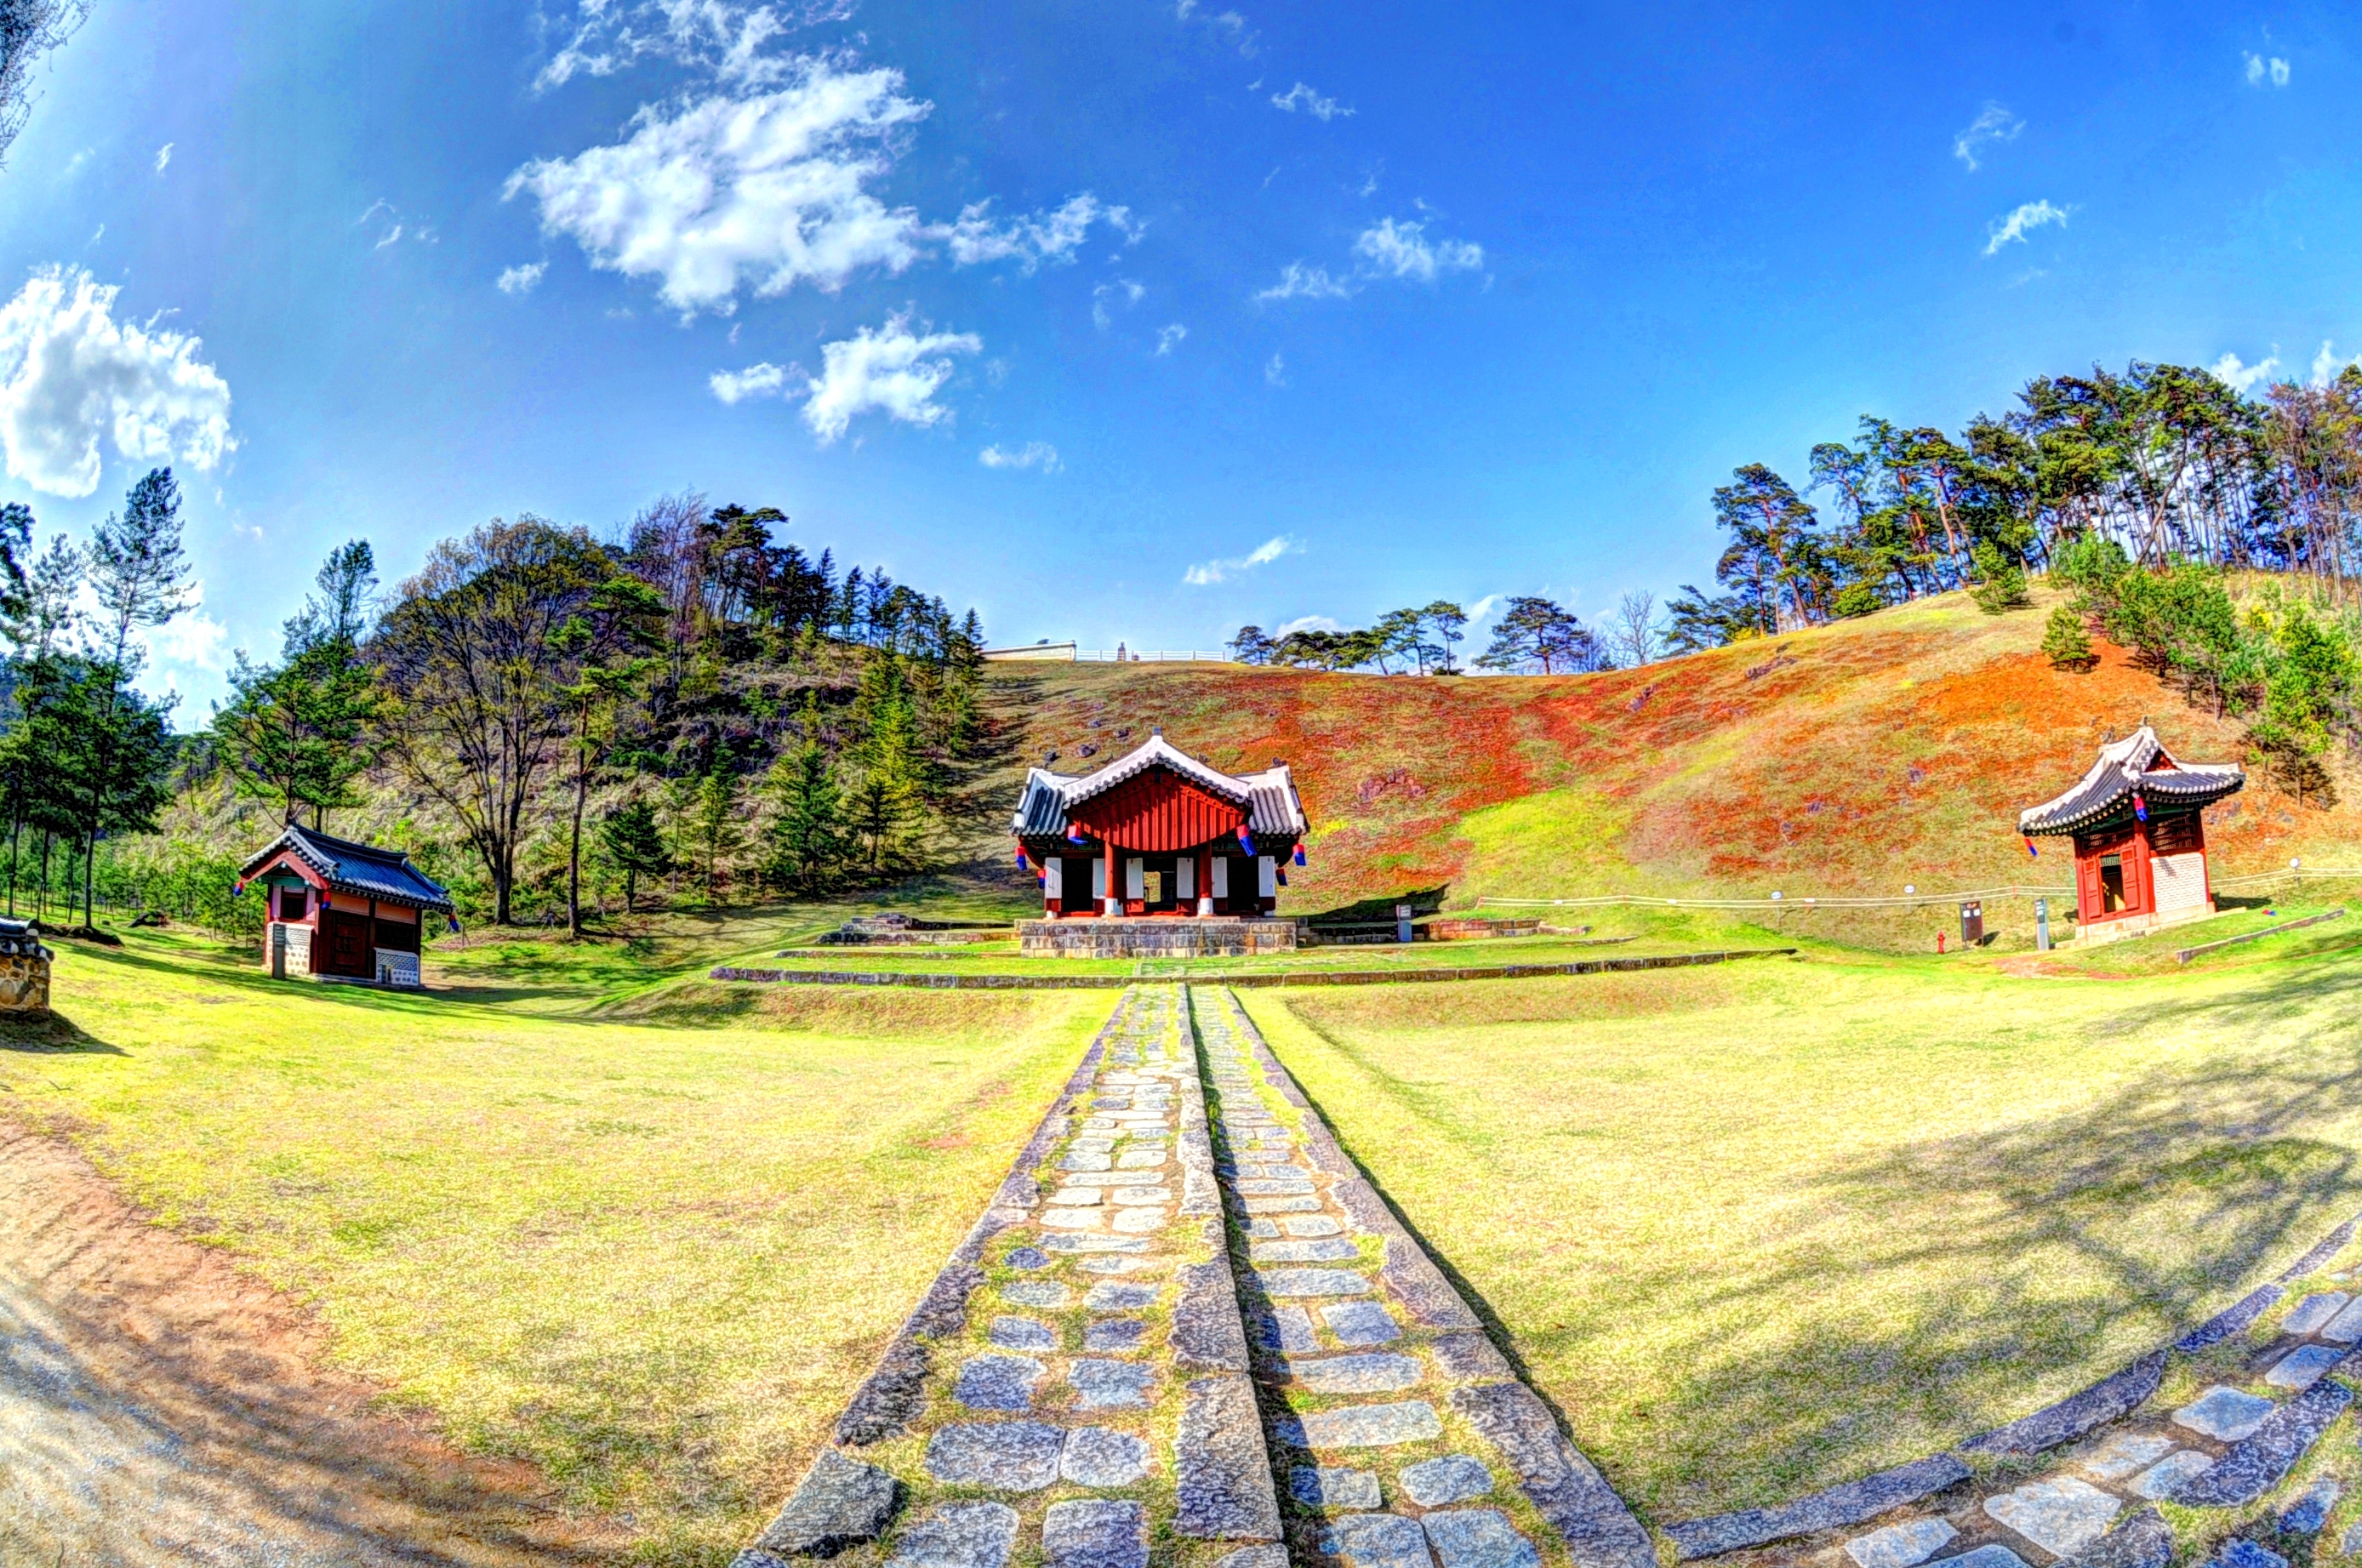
<point x="1125" y="319"/>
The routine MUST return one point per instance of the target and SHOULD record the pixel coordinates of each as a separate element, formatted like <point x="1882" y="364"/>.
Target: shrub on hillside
<point x="2066" y="643"/>
<point x="2004" y="587"/>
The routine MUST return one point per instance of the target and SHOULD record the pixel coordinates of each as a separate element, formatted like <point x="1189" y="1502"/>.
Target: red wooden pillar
<point x="1114" y="905"/>
<point x="1204" y="880"/>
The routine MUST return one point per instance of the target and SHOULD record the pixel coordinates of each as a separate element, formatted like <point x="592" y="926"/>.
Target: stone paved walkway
<point x="1212" y="1345"/>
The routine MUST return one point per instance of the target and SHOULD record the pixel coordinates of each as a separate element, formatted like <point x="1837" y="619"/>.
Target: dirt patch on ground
<point x="157" y="1406"/>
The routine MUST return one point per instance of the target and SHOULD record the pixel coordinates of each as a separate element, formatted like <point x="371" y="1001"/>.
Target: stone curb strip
<point x="2265" y="1441"/>
<point x="1343" y="1302"/>
<point x="1254" y="978"/>
<point x="1073" y="1385"/>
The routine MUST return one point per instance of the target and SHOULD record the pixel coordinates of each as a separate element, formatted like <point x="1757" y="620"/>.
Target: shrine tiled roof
<point x="2137" y="762"/>
<point x="1269" y="796"/>
<point x="363" y="870"/>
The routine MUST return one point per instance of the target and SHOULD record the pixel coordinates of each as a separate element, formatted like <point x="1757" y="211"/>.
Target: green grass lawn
<point x="653" y="1260"/>
<point x="1769" y="1227"/>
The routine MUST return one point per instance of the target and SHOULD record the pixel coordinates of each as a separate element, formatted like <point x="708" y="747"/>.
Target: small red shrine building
<point x="2137" y="823"/>
<point x="1158" y="834"/>
<point x="342" y="910"/>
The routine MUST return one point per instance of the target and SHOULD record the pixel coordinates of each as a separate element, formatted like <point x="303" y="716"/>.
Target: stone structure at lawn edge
<point x="1403" y="1437"/>
<point x="1074" y="1387"/>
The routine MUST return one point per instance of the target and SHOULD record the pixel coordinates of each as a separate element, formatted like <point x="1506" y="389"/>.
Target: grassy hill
<point x="1855" y="759"/>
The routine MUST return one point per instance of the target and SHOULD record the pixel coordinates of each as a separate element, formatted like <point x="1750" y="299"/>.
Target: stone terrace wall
<point x="1090" y="937"/>
<point x="1073" y="1385"/>
<point x="1407" y="1438"/>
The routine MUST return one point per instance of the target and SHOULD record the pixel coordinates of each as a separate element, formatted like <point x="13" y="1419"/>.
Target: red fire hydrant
<point x="1939" y="944"/>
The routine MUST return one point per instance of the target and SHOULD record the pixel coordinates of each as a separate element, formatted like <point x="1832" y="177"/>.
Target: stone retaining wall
<point x="1405" y="1437"/>
<point x="25" y="981"/>
<point x="1073" y="1385"/>
<point x="1421" y="976"/>
<point x="1090" y="937"/>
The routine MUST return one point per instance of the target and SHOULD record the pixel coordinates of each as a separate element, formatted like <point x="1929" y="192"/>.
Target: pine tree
<point x="715" y="820"/>
<point x="2065" y="643"/>
<point x="808" y="839"/>
<point x="634" y="844"/>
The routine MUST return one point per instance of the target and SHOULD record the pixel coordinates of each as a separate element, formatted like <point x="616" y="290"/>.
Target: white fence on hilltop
<point x="2294" y="877"/>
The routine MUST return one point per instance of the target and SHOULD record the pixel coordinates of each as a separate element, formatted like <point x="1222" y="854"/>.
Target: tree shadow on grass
<point x="52" y="1033"/>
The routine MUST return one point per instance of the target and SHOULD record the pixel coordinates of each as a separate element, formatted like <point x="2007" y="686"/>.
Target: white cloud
<point x="726" y="40"/>
<point x="1308" y="623"/>
<point x="1050" y="236"/>
<point x="71" y="375"/>
<point x="1206" y="573"/>
<point x="2259" y="71"/>
<point x="163" y="158"/>
<point x="2029" y="215"/>
<point x="2326" y="364"/>
<point x="1130" y="291"/>
<point x="1403" y="250"/>
<point x="391" y="236"/>
<point x="2243" y="377"/>
<point x="1303" y="97"/>
<point x="1032" y="455"/>
<point x="1274" y="371"/>
<point x="1483" y="609"/>
<point x="1301" y="280"/>
<point x="763" y="379"/>
<point x="1169" y="337"/>
<point x="893" y="370"/>
<point x="1992" y="123"/>
<point x="766" y="190"/>
<point x="521" y="279"/>
<point x="1228" y="24"/>
<point x="190" y="641"/>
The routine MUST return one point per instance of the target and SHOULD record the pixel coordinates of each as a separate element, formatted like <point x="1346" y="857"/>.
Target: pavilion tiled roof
<point x="1270" y="798"/>
<point x="2138" y="761"/>
<point x="363" y="870"/>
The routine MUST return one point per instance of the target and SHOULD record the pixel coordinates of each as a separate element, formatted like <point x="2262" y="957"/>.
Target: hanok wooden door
<point x="348" y="942"/>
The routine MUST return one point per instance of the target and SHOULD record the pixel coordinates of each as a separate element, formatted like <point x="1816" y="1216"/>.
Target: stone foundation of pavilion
<point x="1162" y="937"/>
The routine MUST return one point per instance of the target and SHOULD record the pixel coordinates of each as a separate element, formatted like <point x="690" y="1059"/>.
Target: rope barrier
<point x="1908" y="900"/>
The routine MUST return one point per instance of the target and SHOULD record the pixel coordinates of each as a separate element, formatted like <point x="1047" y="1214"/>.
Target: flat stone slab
<point x="2061" y="1516"/>
<point x="1361" y="1323"/>
<point x="1280" y="1205"/>
<point x="1101" y="1456"/>
<point x="2259" y="1462"/>
<point x="1023" y="1333"/>
<point x="2308" y="1315"/>
<point x="1468" y="1358"/>
<point x="841" y="1502"/>
<point x="2224" y="1414"/>
<point x="1027" y="1257"/>
<point x="1564" y="1488"/>
<point x="1093" y="1244"/>
<point x="1311" y="1225"/>
<point x="2346" y="1327"/>
<point x="1455" y="1478"/>
<point x="1849" y="1503"/>
<point x="958" y="1535"/>
<point x="2246" y="1554"/>
<point x="2126" y="1454"/>
<point x="2140" y="1540"/>
<point x="1114" y="1334"/>
<point x="1110" y="1384"/>
<point x="1330" y="1251"/>
<point x="2303" y="1366"/>
<point x="1137" y="1221"/>
<point x="1281" y="1283"/>
<point x="1095" y="1533"/>
<point x="1287" y="1329"/>
<point x="1008" y="1456"/>
<point x="1139" y="1197"/>
<point x="2311" y="1511"/>
<point x="1261" y="1187"/>
<point x="1321" y="1486"/>
<point x="1993" y="1556"/>
<point x="1221" y="1474"/>
<point x="997" y="1382"/>
<point x="1905" y="1545"/>
<point x="1356" y="1373"/>
<point x="1478" y="1538"/>
<point x="1371" y="1426"/>
<point x="2161" y="1479"/>
<point x="1113" y="1297"/>
<point x="2232" y="1319"/>
<point x="1035" y="1292"/>
<point x="1377" y="1540"/>
<point x="1206" y="1333"/>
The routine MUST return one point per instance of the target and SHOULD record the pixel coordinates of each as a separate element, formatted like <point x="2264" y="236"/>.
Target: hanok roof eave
<point x="1269" y="796"/>
<point x="361" y="870"/>
<point x="2122" y="769"/>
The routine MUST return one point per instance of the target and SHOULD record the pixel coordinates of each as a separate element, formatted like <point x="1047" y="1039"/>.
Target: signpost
<point x="1402" y="922"/>
<point x="2042" y="925"/>
<point x="1972" y="923"/>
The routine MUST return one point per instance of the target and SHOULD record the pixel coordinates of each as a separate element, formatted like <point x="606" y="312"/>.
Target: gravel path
<point x="157" y="1406"/>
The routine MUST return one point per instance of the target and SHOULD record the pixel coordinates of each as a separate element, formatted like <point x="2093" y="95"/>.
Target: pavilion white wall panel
<point x="2180" y="881"/>
<point x="1220" y="879"/>
<point x="1054" y="879"/>
<point x="1266" y="876"/>
<point x="1185" y="878"/>
<point x="1135" y="878"/>
<point x="1099" y="879"/>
